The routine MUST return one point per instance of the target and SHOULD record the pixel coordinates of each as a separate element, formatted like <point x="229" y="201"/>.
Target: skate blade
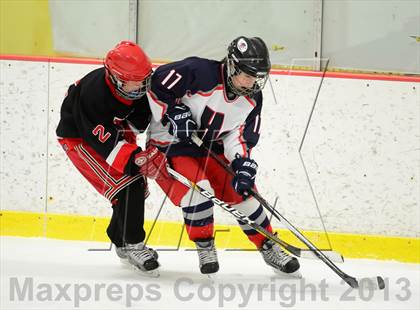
<point x="147" y="273"/>
<point x="212" y="277"/>
<point x="293" y="275"/>
<point x="155" y="273"/>
<point x="150" y="273"/>
<point x="124" y="262"/>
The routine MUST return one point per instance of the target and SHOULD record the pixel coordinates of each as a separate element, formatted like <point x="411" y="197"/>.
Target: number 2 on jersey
<point x="100" y="132"/>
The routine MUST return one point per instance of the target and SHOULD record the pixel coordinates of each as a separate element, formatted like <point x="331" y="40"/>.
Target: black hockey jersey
<point x="228" y="124"/>
<point x="90" y="111"/>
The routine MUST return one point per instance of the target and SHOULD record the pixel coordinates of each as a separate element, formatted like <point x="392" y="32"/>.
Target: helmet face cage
<point x="233" y="70"/>
<point x="131" y="95"/>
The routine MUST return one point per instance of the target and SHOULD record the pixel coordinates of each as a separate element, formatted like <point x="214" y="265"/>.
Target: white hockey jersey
<point x="228" y="126"/>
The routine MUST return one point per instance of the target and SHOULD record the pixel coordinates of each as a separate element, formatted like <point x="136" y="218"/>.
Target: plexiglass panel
<point x="372" y="35"/>
<point x="172" y="30"/>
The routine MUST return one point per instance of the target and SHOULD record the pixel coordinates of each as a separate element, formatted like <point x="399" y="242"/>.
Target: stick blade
<point x="381" y="282"/>
<point x="351" y="281"/>
<point x="375" y="283"/>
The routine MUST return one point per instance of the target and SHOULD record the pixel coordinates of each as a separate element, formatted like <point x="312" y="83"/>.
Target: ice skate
<point x="140" y="257"/>
<point x="207" y="256"/>
<point x="282" y="263"/>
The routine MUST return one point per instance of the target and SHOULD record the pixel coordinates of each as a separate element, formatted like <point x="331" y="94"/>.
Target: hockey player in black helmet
<point x="250" y="57"/>
<point x="221" y="102"/>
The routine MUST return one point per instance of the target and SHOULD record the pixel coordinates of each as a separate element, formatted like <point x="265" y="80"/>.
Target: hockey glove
<point x="181" y="124"/>
<point x="152" y="163"/>
<point x="245" y="171"/>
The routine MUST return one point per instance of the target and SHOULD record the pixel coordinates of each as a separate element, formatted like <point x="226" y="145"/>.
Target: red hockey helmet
<point x="128" y="62"/>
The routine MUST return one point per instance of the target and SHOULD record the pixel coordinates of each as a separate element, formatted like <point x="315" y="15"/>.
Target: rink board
<point x="361" y="154"/>
<point x="172" y="234"/>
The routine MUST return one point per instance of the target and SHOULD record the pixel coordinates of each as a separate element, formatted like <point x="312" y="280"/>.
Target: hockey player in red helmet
<point x="100" y="117"/>
<point x="221" y="102"/>
<point x="129" y="70"/>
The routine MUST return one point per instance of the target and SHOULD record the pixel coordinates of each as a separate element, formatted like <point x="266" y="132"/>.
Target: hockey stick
<point x="243" y="218"/>
<point x="298" y="252"/>
<point x="377" y="282"/>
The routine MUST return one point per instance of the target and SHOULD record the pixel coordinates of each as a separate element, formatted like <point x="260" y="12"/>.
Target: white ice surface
<point x="66" y="275"/>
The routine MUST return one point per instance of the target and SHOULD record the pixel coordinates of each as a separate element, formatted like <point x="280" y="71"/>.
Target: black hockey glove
<point x="245" y="171"/>
<point x="181" y="124"/>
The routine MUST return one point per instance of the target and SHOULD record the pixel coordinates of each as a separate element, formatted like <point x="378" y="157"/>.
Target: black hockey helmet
<point x="248" y="55"/>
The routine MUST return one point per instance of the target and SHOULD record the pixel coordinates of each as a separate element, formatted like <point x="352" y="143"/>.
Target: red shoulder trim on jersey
<point x="160" y="103"/>
<point x="210" y="92"/>
<point x="251" y="101"/>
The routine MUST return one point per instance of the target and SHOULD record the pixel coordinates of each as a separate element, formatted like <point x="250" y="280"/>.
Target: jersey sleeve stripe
<point x="241" y="140"/>
<point x="257" y="118"/>
<point x="119" y="156"/>
<point x="159" y="143"/>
